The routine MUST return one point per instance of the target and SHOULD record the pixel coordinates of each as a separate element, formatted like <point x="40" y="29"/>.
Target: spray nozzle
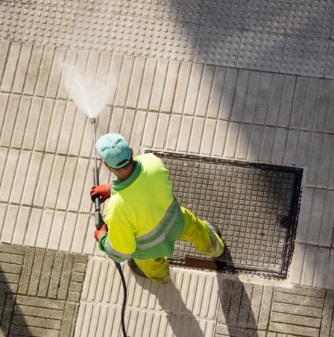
<point x="92" y="120"/>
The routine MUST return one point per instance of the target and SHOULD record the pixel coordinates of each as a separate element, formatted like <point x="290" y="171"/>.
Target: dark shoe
<point x="216" y="230"/>
<point x="135" y="269"/>
<point x="213" y="227"/>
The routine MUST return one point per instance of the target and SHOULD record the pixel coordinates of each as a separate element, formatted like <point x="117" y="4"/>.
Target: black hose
<point x="99" y="223"/>
<point x="118" y="266"/>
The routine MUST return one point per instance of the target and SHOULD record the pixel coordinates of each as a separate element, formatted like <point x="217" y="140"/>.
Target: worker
<point x="143" y="217"/>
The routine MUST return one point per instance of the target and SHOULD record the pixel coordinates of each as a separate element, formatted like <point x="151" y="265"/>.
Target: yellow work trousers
<point x="196" y="231"/>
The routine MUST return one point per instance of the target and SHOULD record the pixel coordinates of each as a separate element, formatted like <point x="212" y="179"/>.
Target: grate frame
<point x="288" y="223"/>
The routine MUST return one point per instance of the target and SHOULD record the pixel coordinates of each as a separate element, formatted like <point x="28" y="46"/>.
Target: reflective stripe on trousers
<point x="199" y="233"/>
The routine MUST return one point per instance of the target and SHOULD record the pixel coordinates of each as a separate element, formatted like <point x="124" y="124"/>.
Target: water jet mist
<point x="89" y="91"/>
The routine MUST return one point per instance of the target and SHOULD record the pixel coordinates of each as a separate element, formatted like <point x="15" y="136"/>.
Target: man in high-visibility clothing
<point x="143" y="216"/>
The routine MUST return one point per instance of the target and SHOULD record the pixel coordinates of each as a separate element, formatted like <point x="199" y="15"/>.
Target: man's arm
<point x="101" y="191"/>
<point x="119" y="246"/>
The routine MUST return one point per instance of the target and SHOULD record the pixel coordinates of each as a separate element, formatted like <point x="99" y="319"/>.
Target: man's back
<point x="142" y="208"/>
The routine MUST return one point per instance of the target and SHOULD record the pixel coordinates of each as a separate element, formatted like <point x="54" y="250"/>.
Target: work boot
<point x="215" y="229"/>
<point x="135" y="269"/>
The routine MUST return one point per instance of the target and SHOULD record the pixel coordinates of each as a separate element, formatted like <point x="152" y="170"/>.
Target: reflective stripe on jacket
<point x="143" y="216"/>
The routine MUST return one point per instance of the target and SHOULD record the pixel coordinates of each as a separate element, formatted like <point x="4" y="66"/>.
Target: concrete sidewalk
<point x="42" y="292"/>
<point x="244" y="80"/>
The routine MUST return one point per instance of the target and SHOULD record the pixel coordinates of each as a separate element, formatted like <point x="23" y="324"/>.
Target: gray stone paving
<point x="256" y="310"/>
<point x="215" y="304"/>
<point x="39" y="291"/>
<point x="288" y="36"/>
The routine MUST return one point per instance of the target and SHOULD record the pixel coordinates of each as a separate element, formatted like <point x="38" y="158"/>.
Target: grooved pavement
<point x="40" y="291"/>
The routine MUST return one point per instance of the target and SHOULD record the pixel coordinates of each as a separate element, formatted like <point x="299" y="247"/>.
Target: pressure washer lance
<point x="99" y="222"/>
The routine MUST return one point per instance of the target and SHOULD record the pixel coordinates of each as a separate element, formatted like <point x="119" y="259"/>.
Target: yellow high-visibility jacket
<point x="143" y="216"/>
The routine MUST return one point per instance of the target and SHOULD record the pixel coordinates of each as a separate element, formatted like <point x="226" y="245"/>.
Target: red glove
<point x="101" y="191"/>
<point x="99" y="232"/>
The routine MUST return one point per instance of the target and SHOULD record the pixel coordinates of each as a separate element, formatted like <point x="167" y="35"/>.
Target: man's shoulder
<point x="149" y="158"/>
<point x="146" y="156"/>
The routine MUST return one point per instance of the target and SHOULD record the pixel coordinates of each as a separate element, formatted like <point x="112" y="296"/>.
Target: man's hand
<point x="101" y="191"/>
<point x="99" y="232"/>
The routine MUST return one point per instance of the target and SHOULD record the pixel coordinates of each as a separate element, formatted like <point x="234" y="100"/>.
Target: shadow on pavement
<point x="235" y="313"/>
<point x="12" y="321"/>
<point x="180" y="319"/>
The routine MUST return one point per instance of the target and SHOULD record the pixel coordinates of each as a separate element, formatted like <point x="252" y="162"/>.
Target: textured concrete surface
<point x="244" y="115"/>
<point x="39" y="291"/>
<point x="200" y="303"/>
<point x="250" y="80"/>
<point x="288" y="36"/>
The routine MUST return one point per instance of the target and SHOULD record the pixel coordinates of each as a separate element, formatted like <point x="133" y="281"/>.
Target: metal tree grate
<point x="254" y="206"/>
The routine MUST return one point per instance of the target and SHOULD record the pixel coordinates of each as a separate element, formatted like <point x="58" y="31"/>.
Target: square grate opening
<point x="255" y="207"/>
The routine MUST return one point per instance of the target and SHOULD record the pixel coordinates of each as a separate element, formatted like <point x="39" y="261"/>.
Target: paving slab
<point x="40" y="291"/>
<point x="261" y="51"/>
<point x="244" y="309"/>
<point x="173" y="306"/>
<point x="218" y="12"/>
<point x="218" y="45"/>
<point x="268" y="16"/>
<point x="162" y="25"/>
<point x="205" y="303"/>
<point x="310" y="18"/>
<point x="304" y="56"/>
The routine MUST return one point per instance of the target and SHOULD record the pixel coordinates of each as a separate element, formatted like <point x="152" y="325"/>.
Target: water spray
<point x="91" y="100"/>
<point x="99" y="222"/>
